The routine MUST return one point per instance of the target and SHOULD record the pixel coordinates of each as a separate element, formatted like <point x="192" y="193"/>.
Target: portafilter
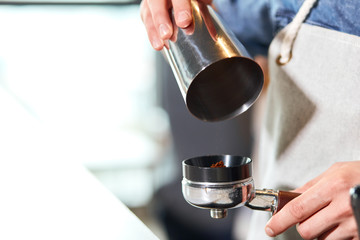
<point x="230" y="186"/>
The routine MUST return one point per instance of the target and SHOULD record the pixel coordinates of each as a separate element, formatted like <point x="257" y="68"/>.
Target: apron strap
<point x="291" y="31"/>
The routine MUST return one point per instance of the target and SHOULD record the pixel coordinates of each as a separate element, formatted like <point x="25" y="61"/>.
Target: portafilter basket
<point x="231" y="186"/>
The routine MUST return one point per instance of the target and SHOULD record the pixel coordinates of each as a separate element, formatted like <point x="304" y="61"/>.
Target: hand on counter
<point x="323" y="210"/>
<point x="155" y="15"/>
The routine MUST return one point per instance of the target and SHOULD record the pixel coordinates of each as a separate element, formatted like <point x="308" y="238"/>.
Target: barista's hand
<point x="155" y="15"/>
<point x="323" y="210"/>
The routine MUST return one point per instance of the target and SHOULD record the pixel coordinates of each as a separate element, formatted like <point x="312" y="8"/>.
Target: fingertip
<point x="183" y="18"/>
<point x="157" y="44"/>
<point x="165" y="31"/>
<point x="269" y="232"/>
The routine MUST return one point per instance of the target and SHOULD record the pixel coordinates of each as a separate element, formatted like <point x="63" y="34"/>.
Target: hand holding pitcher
<point x="155" y="15"/>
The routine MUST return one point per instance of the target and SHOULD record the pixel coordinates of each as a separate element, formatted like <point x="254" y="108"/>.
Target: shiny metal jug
<point x="215" y="73"/>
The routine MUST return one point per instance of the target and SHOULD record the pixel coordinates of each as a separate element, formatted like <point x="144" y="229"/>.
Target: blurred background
<point x="86" y="72"/>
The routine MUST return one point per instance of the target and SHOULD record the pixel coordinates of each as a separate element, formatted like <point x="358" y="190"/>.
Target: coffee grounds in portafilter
<point x="219" y="164"/>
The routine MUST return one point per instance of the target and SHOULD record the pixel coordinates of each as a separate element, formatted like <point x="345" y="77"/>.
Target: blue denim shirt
<point x="256" y="22"/>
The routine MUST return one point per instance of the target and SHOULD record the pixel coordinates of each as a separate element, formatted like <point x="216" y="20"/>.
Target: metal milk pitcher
<point x="215" y="73"/>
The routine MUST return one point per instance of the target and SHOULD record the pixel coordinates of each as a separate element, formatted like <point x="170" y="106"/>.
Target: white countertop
<point x="68" y="80"/>
<point x="45" y="194"/>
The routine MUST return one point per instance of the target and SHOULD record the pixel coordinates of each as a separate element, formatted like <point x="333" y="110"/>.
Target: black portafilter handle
<point x="355" y="204"/>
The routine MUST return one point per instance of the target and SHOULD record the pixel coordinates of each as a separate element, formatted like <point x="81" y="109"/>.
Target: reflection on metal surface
<point x="232" y="186"/>
<point x="224" y="46"/>
<point x="355" y="204"/>
<point x="217" y="196"/>
<point x="215" y="73"/>
<point x="265" y="200"/>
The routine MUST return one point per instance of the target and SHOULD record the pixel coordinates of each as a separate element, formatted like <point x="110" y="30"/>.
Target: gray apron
<point x="312" y="117"/>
